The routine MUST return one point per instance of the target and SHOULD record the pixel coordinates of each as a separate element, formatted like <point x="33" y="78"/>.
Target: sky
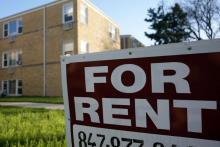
<point x="128" y="14"/>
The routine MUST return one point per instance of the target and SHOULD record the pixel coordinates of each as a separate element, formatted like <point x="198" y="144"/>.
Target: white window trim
<point x="3" y="30"/>
<point x="63" y="17"/>
<point x="3" y="85"/>
<point x="111" y="29"/>
<point x="3" y="66"/>
<point x="17" y="28"/>
<point x="16" y="87"/>
<point x="87" y="47"/>
<point x="17" y="81"/>
<point x="67" y="42"/>
<point x="8" y="60"/>
<point x="84" y="18"/>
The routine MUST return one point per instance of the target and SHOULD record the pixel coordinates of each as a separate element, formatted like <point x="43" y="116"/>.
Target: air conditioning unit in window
<point x="67" y="26"/>
<point x="12" y="38"/>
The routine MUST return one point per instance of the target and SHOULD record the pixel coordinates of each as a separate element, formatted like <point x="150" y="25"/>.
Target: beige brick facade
<point x="128" y="41"/>
<point x="41" y="45"/>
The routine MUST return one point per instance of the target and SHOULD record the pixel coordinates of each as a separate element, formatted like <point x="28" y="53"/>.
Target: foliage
<point x="28" y="127"/>
<point x="204" y="18"/>
<point x="51" y="100"/>
<point x="169" y="27"/>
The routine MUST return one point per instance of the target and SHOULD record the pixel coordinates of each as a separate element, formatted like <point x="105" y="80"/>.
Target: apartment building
<point x="31" y="43"/>
<point x="129" y="41"/>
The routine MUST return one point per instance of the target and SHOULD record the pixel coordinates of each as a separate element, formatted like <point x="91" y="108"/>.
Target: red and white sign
<point x="165" y="96"/>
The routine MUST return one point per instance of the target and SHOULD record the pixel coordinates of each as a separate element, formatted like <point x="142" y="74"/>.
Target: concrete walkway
<point x="33" y="105"/>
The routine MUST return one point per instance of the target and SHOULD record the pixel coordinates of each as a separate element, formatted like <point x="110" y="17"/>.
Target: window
<point x="84" y="14"/>
<point x="112" y="32"/>
<point x="68" y="13"/>
<point x="19" y="87"/>
<point x="68" y="48"/>
<point x="5" y="87"/>
<point x="11" y="59"/>
<point x="20" y="26"/>
<point x="84" y="47"/>
<point x="13" y="28"/>
<point x="5" y="60"/>
<point x="135" y="44"/>
<point x="12" y="87"/>
<point x="5" y="30"/>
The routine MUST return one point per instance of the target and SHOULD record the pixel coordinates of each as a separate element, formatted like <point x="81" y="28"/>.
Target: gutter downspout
<point x="44" y="52"/>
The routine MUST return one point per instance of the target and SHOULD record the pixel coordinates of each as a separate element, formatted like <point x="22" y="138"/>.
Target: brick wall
<point x="31" y="43"/>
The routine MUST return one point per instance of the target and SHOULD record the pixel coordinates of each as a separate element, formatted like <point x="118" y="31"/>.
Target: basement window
<point x="19" y="87"/>
<point x="5" y="87"/>
<point x="12" y="87"/>
<point x="67" y="13"/>
<point x="13" y="28"/>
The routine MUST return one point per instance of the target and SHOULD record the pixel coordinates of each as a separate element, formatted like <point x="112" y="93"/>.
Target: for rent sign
<point x="167" y="96"/>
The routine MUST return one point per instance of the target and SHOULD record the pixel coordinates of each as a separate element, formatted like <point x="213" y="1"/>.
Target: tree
<point x="169" y="27"/>
<point x="204" y="18"/>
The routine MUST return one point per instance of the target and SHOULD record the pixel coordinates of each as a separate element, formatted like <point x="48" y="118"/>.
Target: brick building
<point x="31" y="43"/>
<point x="128" y="41"/>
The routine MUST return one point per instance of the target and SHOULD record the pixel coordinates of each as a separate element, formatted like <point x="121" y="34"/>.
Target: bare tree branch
<point x="204" y="18"/>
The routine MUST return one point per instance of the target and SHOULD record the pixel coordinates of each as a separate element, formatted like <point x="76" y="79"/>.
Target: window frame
<point x="4" y="24"/>
<point x="8" y="87"/>
<point x="9" y="53"/>
<point x="84" y="17"/>
<point x="20" y="25"/>
<point x="14" y="84"/>
<point x="17" y="28"/>
<point x="17" y="87"/>
<point x="86" y="43"/>
<point x="63" y="48"/>
<point x="63" y="13"/>
<point x="111" y="29"/>
<point x="3" y="59"/>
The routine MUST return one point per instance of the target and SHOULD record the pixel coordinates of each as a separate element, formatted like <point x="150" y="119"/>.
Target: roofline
<point x="98" y="10"/>
<point x="55" y="3"/>
<point x="126" y="35"/>
<point x="32" y="10"/>
<point x="131" y="36"/>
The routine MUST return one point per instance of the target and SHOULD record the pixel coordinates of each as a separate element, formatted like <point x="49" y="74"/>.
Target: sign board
<point x="162" y="96"/>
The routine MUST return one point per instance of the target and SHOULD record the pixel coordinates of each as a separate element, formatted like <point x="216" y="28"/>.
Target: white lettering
<point x="91" y="110"/>
<point x="139" y="82"/>
<point x="161" y="119"/>
<point x="91" y="80"/>
<point x="109" y="111"/>
<point x="159" y="79"/>
<point x="194" y="112"/>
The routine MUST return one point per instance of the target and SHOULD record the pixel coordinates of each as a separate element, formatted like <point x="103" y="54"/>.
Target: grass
<point x="51" y="100"/>
<point x="28" y="127"/>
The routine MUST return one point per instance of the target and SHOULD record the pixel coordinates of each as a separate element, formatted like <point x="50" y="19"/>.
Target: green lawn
<point x="29" y="127"/>
<point x="52" y="100"/>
